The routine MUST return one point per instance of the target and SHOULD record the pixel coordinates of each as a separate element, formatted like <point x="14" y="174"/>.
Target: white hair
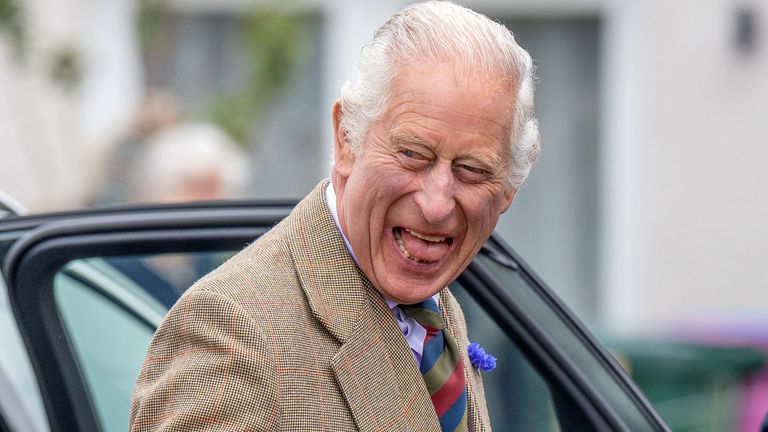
<point x="443" y="31"/>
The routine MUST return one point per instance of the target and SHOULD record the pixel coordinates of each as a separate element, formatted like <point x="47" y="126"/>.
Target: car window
<point x="110" y="308"/>
<point x="518" y="397"/>
<point x="567" y="338"/>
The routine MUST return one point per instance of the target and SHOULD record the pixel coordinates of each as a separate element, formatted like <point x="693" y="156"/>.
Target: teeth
<point x="435" y="239"/>
<point x="399" y="239"/>
<point x="400" y="244"/>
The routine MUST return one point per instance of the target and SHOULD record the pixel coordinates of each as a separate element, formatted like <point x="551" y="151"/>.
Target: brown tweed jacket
<point x="289" y="335"/>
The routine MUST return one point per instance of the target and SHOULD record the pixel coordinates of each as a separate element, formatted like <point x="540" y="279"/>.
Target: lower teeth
<point x="405" y="252"/>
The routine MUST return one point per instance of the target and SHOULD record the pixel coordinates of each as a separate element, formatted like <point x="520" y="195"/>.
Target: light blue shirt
<point x="413" y="331"/>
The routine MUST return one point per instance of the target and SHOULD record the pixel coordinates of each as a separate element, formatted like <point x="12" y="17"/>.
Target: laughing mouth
<point x="433" y="246"/>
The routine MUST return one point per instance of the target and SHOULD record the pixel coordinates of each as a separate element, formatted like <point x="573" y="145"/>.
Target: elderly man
<point x="339" y="317"/>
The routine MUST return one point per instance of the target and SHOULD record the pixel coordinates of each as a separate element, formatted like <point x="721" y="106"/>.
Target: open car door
<point x="89" y="289"/>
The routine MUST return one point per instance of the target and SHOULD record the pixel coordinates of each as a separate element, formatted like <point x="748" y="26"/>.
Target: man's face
<point x="430" y="184"/>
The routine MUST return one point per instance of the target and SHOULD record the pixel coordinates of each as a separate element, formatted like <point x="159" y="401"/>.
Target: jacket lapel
<point x="376" y="371"/>
<point x="374" y="366"/>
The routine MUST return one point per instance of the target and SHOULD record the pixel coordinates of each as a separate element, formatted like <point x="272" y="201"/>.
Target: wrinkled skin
<point x="431" y="182"/>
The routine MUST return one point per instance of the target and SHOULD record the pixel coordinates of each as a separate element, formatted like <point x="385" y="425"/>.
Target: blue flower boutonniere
<point x="480" y="359"/>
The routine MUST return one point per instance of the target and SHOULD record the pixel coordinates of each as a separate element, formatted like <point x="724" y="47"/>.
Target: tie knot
<point x="426" y="313"/>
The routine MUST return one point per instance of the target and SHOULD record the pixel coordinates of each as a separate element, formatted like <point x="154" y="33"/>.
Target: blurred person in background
<point x="339" y="317"/>
<point x="158" y="111"/>
<point x="187" y="162"/>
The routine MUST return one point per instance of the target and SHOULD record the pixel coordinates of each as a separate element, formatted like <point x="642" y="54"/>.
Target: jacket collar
<point x="335" y="287"/>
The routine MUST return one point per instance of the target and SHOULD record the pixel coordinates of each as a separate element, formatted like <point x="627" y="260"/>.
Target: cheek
<point x="483" y="214"/>
<point x="375" y="193"/>
<point x="387" y="182"/>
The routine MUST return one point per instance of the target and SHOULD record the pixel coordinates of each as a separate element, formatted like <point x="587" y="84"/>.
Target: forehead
<point x="445" y="100"/>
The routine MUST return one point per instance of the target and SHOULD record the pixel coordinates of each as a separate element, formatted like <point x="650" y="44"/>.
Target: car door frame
<point x="34" y="259"/>
<point x="550" y="361"/>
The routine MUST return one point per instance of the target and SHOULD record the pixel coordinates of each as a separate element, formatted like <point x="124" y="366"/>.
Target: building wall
<point x="685" y="151"/>
<point x="51" y="137"/>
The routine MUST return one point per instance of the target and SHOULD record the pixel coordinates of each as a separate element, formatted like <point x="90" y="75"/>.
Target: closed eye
<point x="412" y="159"/>
<point x="473" y="169"/>
<point x="471" y="173"/>
<point x="412" y="154"/>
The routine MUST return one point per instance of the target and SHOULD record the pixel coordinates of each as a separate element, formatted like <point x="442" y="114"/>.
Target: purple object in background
<point x="749" y="332"/>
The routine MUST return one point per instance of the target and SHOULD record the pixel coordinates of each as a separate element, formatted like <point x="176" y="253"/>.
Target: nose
<point x="436" y="197"/>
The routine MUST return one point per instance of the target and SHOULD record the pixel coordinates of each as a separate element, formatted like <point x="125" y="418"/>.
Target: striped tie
<point x="441" y="366"/>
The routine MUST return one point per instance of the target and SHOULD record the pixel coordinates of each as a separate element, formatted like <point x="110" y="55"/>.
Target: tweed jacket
<point x="289" y="335"/>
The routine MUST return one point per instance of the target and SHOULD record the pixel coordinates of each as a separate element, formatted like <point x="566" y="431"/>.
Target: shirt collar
<point x="330" y="198"/>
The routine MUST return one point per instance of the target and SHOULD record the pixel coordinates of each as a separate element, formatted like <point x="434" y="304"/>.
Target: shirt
<point x="413" y="331"/>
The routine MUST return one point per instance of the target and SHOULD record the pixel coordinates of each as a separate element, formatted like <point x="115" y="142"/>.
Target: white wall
<point x="36" y="120"/>
<point x="50" y="138"/>
<point x="686" y="145"/>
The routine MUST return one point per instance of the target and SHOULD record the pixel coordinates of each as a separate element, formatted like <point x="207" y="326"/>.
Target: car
<point x="83" y="291"/>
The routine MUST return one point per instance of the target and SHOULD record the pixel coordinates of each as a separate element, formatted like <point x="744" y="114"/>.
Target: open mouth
<point x="421" y="248"/>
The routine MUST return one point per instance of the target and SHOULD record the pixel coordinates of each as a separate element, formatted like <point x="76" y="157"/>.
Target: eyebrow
<point x="407" y="137"/>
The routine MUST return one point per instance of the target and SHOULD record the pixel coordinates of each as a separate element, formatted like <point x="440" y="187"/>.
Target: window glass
<point x="571" y="344"/>
<point x="110" y="308"/>
<point x="516" y="394"/>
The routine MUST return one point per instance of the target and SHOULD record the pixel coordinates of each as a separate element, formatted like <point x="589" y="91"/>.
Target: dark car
<point x="83" y="292"/>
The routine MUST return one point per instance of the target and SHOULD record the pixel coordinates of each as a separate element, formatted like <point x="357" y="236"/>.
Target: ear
<point x="509" y="195"/>
<point x="343" y="156"/>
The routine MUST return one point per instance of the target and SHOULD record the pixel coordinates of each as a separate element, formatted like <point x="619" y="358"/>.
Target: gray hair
<point x="440" y="31"/>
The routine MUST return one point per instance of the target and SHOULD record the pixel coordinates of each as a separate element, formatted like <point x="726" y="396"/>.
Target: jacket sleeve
<point x="209" y="368"/>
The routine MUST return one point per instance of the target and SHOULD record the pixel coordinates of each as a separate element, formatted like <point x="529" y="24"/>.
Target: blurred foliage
<point x="151" y="15"/>
<point x="273" y="42"/>
<point x="12" y="22"/>
<point x="64" y="64"/>
<point x="65" y="67"/>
